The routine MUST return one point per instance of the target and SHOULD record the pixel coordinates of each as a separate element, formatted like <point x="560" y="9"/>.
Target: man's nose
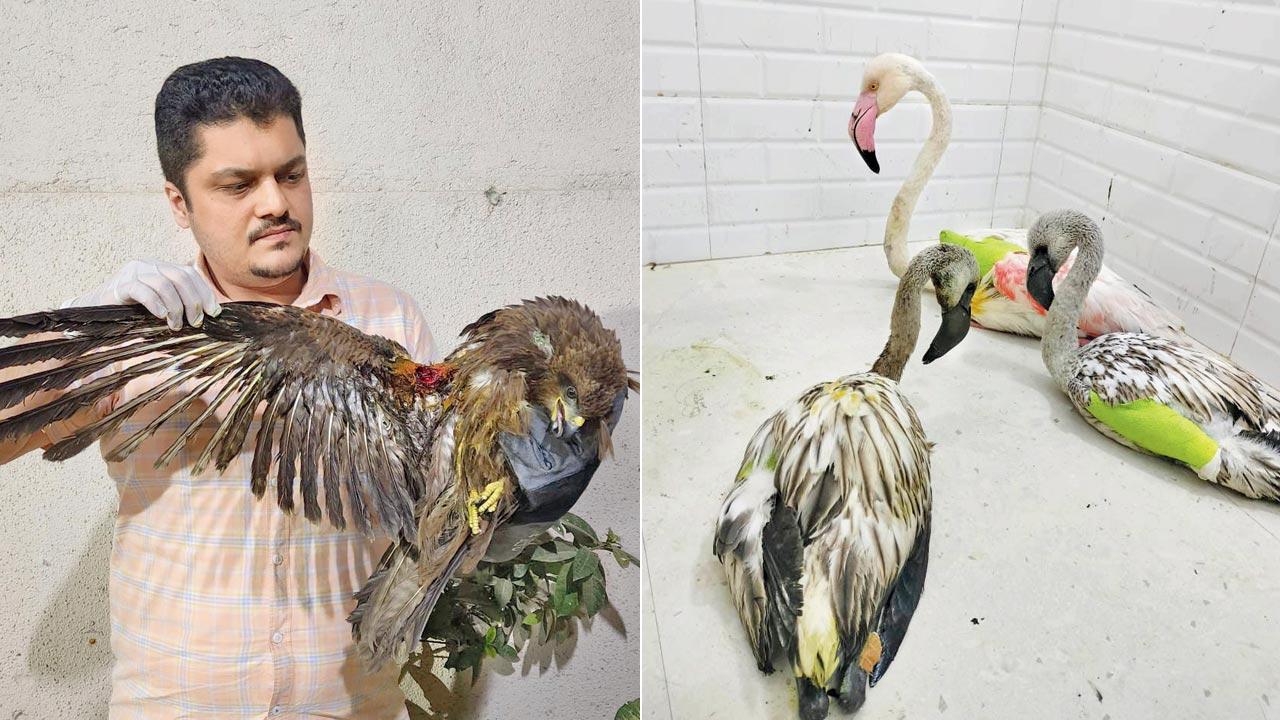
<point x="271" y="199"/>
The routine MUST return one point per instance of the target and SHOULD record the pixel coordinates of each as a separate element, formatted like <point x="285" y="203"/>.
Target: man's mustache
<point x="275" y="226"/>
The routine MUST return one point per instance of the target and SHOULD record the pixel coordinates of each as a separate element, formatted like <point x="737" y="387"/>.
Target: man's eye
<point x="236" y="188"/>
<point x="294" y="177"/>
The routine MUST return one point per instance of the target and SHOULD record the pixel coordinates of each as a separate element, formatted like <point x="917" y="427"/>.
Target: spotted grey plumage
<point x="1224" y="404"/>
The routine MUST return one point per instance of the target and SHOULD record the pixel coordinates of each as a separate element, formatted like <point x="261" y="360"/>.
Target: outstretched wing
<point x="340" y="405"/>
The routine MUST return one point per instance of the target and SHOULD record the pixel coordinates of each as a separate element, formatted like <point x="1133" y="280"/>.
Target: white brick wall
<point x="1161" y="117"/>
<point x="746" y="104"/>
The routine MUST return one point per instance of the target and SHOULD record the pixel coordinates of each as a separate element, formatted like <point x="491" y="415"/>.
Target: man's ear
<point x="178" y="205"/>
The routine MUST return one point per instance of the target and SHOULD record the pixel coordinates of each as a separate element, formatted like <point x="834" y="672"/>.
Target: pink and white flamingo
<point x="1001" y="301"/>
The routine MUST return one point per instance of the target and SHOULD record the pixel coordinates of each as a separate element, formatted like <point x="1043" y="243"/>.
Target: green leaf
<point x="491" y="635"/>
<point x="579" y="527"/>
<point x="502" y="590"/>
<point x="531" y="619"/>
<point x="630" y="711"/>
<point x="624" y="558"/>
<point x="550" y="556"/>
<point x="518" y="570"/>
<point x="561" y="586"/>
<point x="593" y="596"/>
<point x="568" y="605"/>
<point x="585" y="564"/>
<point x="563" y="599"/>
<point x="508" y="652"/>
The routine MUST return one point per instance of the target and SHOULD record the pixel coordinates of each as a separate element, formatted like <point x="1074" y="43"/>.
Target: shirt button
<point x="277" y="637"/>
<point x="277" y="710"/>
<point x="277" y="559"/>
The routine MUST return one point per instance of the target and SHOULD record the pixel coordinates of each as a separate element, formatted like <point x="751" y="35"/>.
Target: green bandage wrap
<point x="1156" y="428"/>
<point x="989" y="250"/>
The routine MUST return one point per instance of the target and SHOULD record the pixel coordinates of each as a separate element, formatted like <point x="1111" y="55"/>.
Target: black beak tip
<point x="869" y="157"/>
<point x="954" y="328"/>
<point x="1040" y="287"/>
<point x="1040" y="280"/>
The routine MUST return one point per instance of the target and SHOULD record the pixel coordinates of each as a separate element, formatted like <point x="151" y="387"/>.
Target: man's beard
<point x="271" y="225"/>
<point x="268" y="273"/>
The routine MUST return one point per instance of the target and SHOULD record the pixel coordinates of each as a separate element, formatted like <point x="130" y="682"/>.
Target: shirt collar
<point x="321" y="285"/>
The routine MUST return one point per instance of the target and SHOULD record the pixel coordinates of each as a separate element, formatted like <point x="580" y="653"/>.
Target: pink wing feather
<point x="1113" y="305"/>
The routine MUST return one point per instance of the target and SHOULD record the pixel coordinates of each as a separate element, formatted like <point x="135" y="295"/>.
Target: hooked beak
<point x="1040" y="279"/>
<point x="955" y="325"/>
<point x="862" y="128"/>
<point x="562" y="424"/>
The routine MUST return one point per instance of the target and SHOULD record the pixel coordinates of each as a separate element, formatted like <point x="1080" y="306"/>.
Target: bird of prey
<point x="473" y="455"/>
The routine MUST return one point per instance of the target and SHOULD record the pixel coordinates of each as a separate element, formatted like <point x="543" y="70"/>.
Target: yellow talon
<point x="484" y="501"/>
<point x="473" y="517"/>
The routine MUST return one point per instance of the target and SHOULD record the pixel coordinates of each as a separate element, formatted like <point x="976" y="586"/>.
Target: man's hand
<point x="167" y="290"/>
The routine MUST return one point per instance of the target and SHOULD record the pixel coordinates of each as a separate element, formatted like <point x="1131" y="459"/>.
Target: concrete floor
<point x="1069" y="576"/>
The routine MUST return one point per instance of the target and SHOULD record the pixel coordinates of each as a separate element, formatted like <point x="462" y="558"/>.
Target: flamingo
<point x="1001" y="301"/>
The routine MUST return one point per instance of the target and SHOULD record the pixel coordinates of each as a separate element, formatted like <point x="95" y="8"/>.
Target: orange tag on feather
<point x="871" y="650"/>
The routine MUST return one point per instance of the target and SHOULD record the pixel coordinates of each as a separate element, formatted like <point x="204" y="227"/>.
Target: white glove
<point x="167" y="290"/>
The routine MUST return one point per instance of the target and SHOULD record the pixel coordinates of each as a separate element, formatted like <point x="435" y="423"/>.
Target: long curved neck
<point x="904" y="204"/>
<point x="1059" y="347"/>
<point x="904" y="325"/>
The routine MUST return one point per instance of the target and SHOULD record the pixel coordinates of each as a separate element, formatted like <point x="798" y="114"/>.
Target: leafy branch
<point x="555" y="581"/>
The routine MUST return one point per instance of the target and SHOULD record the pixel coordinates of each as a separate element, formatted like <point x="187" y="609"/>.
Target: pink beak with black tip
<point x="862" y="128"/>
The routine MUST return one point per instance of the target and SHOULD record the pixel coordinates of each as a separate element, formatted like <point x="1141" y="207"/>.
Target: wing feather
<point x="332" y="478"/>
<point x="327" y="389"/>
<point x="230" y="435"/>
<point x="309" y="467"/>
<point x="265" y="440"/>
<point x="1123" y="367"/>
<point x="290" y="440"/>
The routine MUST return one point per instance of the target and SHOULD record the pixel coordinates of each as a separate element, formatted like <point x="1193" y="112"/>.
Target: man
<point x="221" y="605"/>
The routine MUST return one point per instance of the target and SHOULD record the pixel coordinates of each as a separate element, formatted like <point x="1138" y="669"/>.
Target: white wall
<point x="411" y="114"/>
<point x="746" y="106"/>
<point x="1163" y="118"/>
<point x="1160" y="117"/>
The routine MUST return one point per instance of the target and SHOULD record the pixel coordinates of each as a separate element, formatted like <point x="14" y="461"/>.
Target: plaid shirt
<point x="221" y="605"/>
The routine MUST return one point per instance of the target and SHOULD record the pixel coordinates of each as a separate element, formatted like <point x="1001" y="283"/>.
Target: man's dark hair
<point x="217" y="91"/>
